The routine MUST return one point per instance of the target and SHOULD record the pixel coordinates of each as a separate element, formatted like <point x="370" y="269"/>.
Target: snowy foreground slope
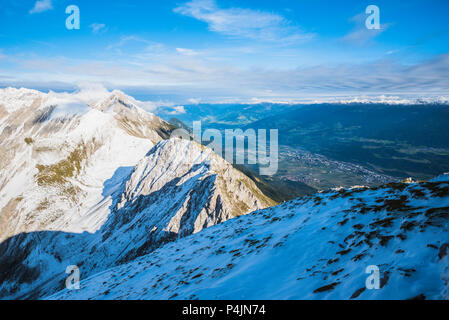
<point x="311" y="248"/>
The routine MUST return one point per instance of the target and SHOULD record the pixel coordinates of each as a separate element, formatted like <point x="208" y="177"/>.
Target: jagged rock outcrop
<point x="100" y="187"/>
<point x="178" y="189"/>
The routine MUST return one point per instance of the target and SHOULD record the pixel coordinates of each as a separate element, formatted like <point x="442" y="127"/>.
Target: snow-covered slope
<point x="177" y="189"/>
<point x="58" y="150"/>
<point x="79" y="184"/>
<point x="87" y="179"/>
<point x="311" y="248"/>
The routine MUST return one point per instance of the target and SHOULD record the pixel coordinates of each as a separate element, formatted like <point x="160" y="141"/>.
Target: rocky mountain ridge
<point x="106" y="177"/>
<point x="316" y="247"/>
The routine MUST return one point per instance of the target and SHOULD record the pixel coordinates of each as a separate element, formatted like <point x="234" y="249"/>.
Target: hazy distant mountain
<point x="222" y="116"/>
<point x="351" y="142"/>
<point x="393" y="140"/>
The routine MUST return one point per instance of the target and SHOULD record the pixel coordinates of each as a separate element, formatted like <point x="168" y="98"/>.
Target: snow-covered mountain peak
<point x="56" y="152"/>
<point x="114" y="98"/>
<point x="12" y="99"/>
<point x="64" y="105"/>
<point x="105" y="176"/>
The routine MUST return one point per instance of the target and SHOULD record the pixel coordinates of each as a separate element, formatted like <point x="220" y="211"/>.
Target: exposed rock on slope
<point x="311" y="248"/>
<point x="57" y="151"/>
<point x="73" y="191"/>
<point x="179" y="188"/>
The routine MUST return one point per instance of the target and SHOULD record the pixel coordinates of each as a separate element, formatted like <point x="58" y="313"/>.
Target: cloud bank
<point x="187" y="77"/>
<point x="243" y="23"/>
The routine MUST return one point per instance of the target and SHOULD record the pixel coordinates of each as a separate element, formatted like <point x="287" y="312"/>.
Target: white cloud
<point x="177" y="110"/>
<point x="90" y="92"/>
<point x="194" y="101"/>
<point x="176" y="77"/>
<point x="245" y="23"/>
<point x="87" y="95"/>
<point x="187" y="52"/>
<point x="98" y="27"/>
<point x="41" y="6"/>
<point x="77" y="102"/>
<point x="135" y="43"/>
<point x="360" y="34"/>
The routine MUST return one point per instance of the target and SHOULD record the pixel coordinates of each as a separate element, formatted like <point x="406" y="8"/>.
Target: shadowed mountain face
<point x="178" y="189"/>
<point x="83" y="189"/>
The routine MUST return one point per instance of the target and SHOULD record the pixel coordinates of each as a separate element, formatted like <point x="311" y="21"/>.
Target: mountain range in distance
<point x="343" y="144"/>
<point x="90" y="179"/>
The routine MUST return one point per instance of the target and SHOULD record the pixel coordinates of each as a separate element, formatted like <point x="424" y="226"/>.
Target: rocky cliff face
<point x="178" y="189"/>
<point x="93" y="183"/>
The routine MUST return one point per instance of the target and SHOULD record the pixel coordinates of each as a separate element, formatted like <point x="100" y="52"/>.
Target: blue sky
<point x="216" y="50"/>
